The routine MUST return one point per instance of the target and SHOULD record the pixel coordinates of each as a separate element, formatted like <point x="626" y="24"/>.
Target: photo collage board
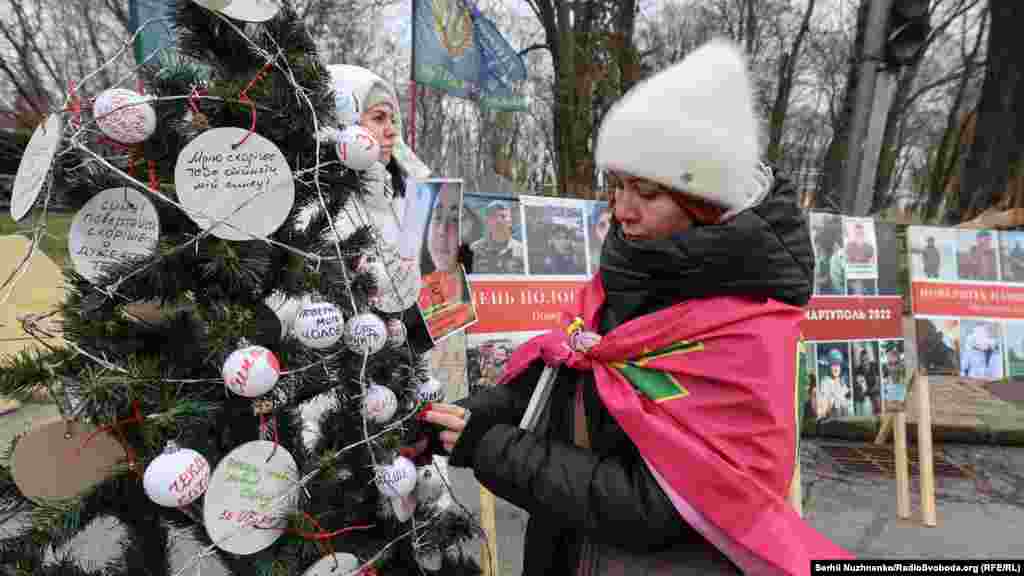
<point x="530" y="256"/>
<point x="967" y="297"/>
<point x="855" y="362"/>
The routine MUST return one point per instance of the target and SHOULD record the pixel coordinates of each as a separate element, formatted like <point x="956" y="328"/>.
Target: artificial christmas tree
<point x="213" y="291"/>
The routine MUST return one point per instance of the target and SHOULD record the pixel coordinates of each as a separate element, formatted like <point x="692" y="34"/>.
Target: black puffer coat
<point x="599" y="510"/>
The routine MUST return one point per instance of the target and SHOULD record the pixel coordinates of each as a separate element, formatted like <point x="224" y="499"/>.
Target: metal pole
<point x="856" y="196"/>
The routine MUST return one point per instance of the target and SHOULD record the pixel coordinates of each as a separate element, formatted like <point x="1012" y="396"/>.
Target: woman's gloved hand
<point x="459" y="433"/>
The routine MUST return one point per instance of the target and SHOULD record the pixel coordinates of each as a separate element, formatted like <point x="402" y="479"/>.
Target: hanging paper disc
<point x="34" y="166"/>
<point x="242" y="194"/>
<point x="115" y="226"/>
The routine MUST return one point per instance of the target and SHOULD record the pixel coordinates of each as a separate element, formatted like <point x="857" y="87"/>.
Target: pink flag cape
<point x="706" y="390"/>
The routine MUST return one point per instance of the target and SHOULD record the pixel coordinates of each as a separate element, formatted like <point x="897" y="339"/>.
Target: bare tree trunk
<point x="837" y="154"/>
<point x="997" y="151"/>
<point x="787" y="70"/>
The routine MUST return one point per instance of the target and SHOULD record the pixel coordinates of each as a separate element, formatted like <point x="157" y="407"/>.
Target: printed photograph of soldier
<point x="834" y="393"/>
<point x="1011" y="256"/>
<point x="891" y="260"/>
<point x="554" y="237"/>
<point x="830" y="258"/>
<point x="486" y="358"/>
<point x="976" y="255"/>
<point x="981" y="355"/>
<point x="499" y="250"/>
<point x="867" y="390"/>
<point x="932" y="253"/>
<point x="860" y="242"/>
<point x="598" y="223"/>
<point x="1014" y="349"/>
<point x="938" y="345"/>
<point x="894" y="375"/>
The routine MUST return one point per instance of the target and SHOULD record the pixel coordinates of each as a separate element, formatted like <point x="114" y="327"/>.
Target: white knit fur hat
<point x="355" y="90"/>
<point x="690" y="127"/>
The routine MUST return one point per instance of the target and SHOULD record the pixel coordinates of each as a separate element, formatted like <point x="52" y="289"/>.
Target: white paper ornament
<point x="34" y="166"/>
<point x="429" y="484"/>
<point x="337" y="564"/>
<point x="365" y="333"/>
<point x="251" y="492"/>
<point x="177" y="477"/>
<point x="318" y="324"/>
<point x="249" y="10"/>
<point x="124" y="115"/>
<point x="397" y="332"/>
<point x="251" y="371"/>
<point x="115" y="226"/>
<point x="357" y="148"/>
<point x="380" y="403"/>
<point x="397" y="479"/>
<point x="430" y="390"/>
<point x="242" y="194"/>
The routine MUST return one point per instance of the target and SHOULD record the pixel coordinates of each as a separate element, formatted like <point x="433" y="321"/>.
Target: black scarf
<point x="764" y="252"/>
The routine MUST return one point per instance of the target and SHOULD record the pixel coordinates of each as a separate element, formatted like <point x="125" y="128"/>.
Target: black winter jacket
<point x="601" y="508"/>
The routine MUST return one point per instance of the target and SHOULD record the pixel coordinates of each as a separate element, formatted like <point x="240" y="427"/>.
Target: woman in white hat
<point x="668" y="441"/>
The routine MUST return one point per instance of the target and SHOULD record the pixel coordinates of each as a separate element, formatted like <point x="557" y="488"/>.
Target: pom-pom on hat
<point x="690" y="127"/>
<point x="357" y="89"/>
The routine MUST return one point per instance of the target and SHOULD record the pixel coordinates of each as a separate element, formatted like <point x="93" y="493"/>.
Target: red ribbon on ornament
<point x="115" y="427"/>
<point x="76" y="104"/>
<point x="244" y="97"/>
<point x="154" y="181"/>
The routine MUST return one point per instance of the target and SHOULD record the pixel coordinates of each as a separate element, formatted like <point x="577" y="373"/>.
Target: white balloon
<point x="124" y="115"/>
<point x="380" y="403"/>
<point x="337" y="564"/>
<point x="176" y="478"/>
<point x="366" y="333"/>
<point x="397" y="479"/>
<point x="429" y="484"/>
<point x="357" y="148"/>
<point x="251" y="371"/>
<point x="430" y="390"/>
<point x="318" y="324"/>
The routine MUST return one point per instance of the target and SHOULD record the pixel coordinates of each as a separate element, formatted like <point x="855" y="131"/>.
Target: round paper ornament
<point x="380" y="403"/>
<point x="430" y="390"/>
<point x="251" y="371"/>
<point x="124" y="115"/>
<point x="429" y="484"/>
<point x="397" y="479"/>
<point x="177" y="477"/>
<point x="58" y="460"/>
<point x="115" y="226"/>
<point x="337" y="564"/>
<point x="34" y="166"/>
<point x="251" y="492"/>
<point x="365" y="333"/>
<point x="241" y="194"/>
<point x="357" y="148"/>
<point x="244" y="10"/>
<point x="318" y="324"/>
<point x="397" y="332"/>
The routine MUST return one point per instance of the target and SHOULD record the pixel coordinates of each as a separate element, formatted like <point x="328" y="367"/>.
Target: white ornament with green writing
<point x="251" y="493"/>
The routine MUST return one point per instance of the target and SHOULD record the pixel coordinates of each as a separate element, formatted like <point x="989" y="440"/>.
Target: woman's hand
<point x="452" y="420"/>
